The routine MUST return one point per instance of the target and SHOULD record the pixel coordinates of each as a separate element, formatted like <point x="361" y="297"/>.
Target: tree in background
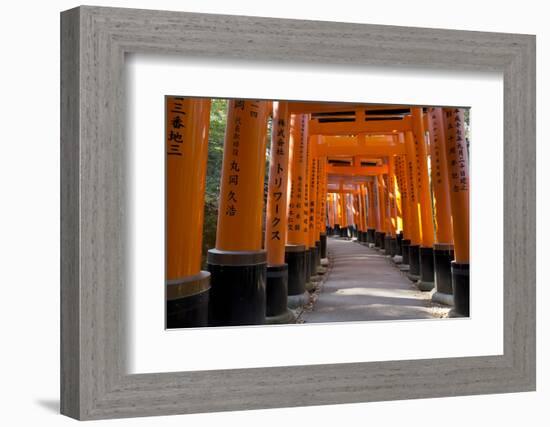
<point x="218" y="118"/>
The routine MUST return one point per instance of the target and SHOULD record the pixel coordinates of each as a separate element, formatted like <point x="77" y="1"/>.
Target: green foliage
<point x="218" y="119"/>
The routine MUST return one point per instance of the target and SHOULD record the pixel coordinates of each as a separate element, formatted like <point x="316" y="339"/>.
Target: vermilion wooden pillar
<point x="414" y="207"/>
<point x="371" y="211"/>
<point x="405" y="211"/>
<point x="459" y="184"/>
<point x="381" y="225"/>
<point x="322" y="211"/>
<point x="295" y="255"/>
<point x="238" y="263"/>
<point x="426" y="280"/>
<point x="276" y="218"/>
<point x="391" y="239"/>
<point x="187" y="287"/>
<point x="443" y="246"/>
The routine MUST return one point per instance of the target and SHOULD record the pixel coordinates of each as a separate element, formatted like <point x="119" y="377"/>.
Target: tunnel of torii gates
<point x="357" y="171"/>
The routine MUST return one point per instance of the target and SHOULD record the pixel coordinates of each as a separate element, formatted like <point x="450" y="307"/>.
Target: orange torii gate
<point x="378" y="137"/>
<point x="376" y="156"/>
<point x="405" y="138"/>
<point x="373" y="139"/>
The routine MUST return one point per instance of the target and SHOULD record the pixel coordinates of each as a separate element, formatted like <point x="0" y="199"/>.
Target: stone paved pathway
<point x="363" y="284"/>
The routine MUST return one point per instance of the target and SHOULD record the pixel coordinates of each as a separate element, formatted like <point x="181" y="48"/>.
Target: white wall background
<point x="29" y="213"/>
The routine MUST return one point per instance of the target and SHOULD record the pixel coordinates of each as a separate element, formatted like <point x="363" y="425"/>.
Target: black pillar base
<point x="399" y="239"/>
<point x="276" y="294"/>
<point x="392" y="245"/>
<point x="359" y="236"/>
<point x="461" y="289"/>
<point x="387" y="239"/>
<point x="187" y="301"/>
<point x="336" y="230"/>
<point x="405" y="244"/>
<point x="237" y="293"/>
<point x="379" y="237"/>
<point x="443" y="256"/>
<point x="295" y="258"/>
<point x="414" y="263"/>
<point x="317" y="254"/>
<point x="343" y="231"/>
<point x="308" y="269"/>
<point x="310" y="284"/>
<point x="426" y="282"/>
<point x="371" y="235"/>
<point x="323" y="245"/>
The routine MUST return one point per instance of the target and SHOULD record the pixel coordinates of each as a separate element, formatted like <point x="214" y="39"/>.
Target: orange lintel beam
<point x="374" y="150"/>
<point x="361" y="138"/>
<point x="312" y="107"/>
<point x="354" y="128"/>
<point x="322" y="107"/>
<point x="342" y="191"/>
<point x="357" y="170"/>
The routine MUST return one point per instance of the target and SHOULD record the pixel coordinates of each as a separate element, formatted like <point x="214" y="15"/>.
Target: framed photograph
<point x="262" y="213"/>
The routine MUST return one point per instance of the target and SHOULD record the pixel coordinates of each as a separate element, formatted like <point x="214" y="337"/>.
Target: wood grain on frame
<point x="94" y="234"/>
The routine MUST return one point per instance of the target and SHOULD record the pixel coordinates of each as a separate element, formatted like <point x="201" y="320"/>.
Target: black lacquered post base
<point x="343" y="232"/>
<point x="461" y="289"/>
<point x="295" y="258"/>
<point x="237" y="293"/>
<point x="405" y="243"/>
<point x="414" y="263"/>
<point x="336" y="230"/>
<point x="398" y="240"/>
<point x="392" y="246"/>
<point x="308" y="266"/>
<point x="426" y="282"/>
<point x="323" y="240"/>
<point x="317" y="254"/>
<point x="443" y="256"/>
<point x="387" y="239"/>
<point x="308" y="269"/>
<point x="379" y="237"/>
<point x="310" y="284"/>
<point x="371" y="235"/>
<point x="377" y="243"/>
<point x="276" y="294"/>
<point x="187" y="301"/>
<point x="359" y="236"/>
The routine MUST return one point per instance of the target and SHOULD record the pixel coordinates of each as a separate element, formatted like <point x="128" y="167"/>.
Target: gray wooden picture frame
<point x="94" y="382"/>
